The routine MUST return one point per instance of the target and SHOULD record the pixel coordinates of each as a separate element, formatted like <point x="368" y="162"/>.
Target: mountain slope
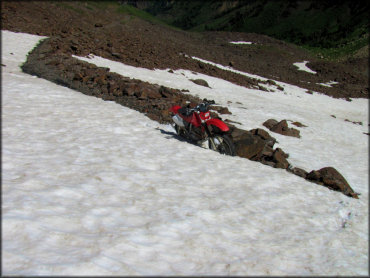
<point x="322" y="24"/>
<point x="108" y="29"/>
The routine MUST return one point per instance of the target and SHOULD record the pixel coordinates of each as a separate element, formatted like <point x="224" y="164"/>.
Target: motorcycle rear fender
<point x="175" y="109"/>
<point x="220" y="124"/>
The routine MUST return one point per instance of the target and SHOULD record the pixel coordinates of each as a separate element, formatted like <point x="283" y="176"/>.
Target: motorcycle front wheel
<point x="179" y="130"/>
<point x="222" y="144"/>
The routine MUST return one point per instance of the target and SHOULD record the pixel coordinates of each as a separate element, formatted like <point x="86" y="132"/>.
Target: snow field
<point x="94" y="188"/>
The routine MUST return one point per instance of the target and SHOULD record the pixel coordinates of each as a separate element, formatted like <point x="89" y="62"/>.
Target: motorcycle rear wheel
<point x="223" y="143"/>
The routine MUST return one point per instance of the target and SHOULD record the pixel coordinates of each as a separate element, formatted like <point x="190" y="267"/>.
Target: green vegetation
<point x="127" y="9"/>
<point x="341" y="52"/>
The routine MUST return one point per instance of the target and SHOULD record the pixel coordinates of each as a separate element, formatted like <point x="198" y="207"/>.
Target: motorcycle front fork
<point x="210" y="137"/>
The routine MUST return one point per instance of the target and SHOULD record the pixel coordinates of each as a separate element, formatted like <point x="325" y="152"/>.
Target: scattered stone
<point x="117" y="55"/>
<point x="298" y="124"/>
<point x="309" y="92"/>
<point x="298" y="172"/>
<point x="230" y="121"/>
<point x="200" y="82"/>
<point x="262" y="88"/>
<point x="271" y="82"/>
<point x="220" y="109"/>
<point x="356" y="123"/>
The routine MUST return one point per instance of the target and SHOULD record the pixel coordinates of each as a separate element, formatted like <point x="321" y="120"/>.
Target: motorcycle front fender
<point x="218" y="123"/>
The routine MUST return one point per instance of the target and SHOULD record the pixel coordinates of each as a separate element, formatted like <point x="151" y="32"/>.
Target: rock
<point x="200" y="65"/>
<point x="263" y="134"/>
<point x="200" y="82"/>
<point x="220" y="109"/>
<point x="267" y="151"/>
<point x="280" y="158"/>
<point x="281" y="128"/>
<point x="298" y="124"/>
<point x="117" y="55"/>
<point x="298" y="171"/>
<point x="270" y="123"/>
<point x="248" y="145"/>
<point x="152" y="93"/>
<point x="331" y="178"/>
<point x="262" y="88"/>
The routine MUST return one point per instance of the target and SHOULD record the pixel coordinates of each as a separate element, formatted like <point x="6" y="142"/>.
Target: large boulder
<point x="331" y="178"/>
<point x="246" y="144"/>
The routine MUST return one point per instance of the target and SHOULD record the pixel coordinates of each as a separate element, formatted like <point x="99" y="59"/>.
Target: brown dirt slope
<point x="85" y="28"/>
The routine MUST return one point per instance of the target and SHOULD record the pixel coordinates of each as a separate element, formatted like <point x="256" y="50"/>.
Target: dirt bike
<point x="195" y="124"/>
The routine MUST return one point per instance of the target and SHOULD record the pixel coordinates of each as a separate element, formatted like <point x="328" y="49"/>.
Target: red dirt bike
<point x="195" y="124"/>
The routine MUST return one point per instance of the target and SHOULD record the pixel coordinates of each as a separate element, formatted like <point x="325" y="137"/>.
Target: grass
<point x="127" y="9"/>
<point x="338" y="53"/>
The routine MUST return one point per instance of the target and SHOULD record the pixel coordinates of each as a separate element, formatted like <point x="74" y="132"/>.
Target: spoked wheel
<point x="222" y="144"/>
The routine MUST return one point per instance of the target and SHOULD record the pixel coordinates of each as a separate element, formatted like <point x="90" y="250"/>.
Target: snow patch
<point x="241" y="42"/>
<point x="328" y="84"/>
<point x="303" y="66"/>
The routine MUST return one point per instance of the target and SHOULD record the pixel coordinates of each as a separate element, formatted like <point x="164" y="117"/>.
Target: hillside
<point x="109" y="30"/>
<point x="339" y="27"/>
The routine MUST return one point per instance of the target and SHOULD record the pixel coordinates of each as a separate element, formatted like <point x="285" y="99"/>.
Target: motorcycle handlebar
<point x="205" y="103"/>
